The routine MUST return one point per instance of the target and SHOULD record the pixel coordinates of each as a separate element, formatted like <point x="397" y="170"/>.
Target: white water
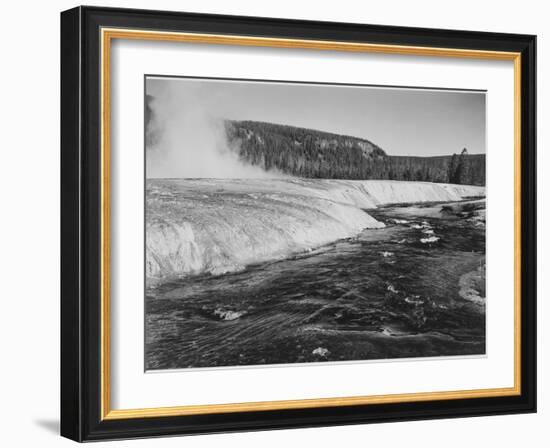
<point x="222" y="225"/>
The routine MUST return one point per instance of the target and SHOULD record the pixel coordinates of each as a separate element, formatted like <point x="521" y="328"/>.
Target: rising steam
<point x="185" y="133"/>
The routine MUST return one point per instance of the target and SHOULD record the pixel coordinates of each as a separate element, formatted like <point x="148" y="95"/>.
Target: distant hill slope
<point x="317" y="154"/>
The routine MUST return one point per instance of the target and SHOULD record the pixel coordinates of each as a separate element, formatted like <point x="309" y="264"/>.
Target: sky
<point x="402" y="121"/>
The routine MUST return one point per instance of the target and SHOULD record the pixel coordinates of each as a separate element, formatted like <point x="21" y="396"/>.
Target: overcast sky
<point x="401" y="121"/>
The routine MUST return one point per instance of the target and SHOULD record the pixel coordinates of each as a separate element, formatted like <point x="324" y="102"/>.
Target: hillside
<point x="316" y="154"/>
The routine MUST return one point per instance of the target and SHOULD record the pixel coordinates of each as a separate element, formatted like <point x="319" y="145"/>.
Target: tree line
<point x="317" y="154"/>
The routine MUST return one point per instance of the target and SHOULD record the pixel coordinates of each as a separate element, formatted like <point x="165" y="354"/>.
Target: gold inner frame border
<point x="107" y="36"/>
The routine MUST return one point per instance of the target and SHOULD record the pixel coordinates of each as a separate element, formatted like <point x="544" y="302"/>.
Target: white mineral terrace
<point x="222" y="225"/>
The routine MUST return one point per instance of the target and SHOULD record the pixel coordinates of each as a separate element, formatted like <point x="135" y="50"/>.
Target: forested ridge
<point x="317" y="154"/>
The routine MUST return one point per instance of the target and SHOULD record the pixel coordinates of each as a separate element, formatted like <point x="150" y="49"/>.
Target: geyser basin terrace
<point x="216" y="226"/>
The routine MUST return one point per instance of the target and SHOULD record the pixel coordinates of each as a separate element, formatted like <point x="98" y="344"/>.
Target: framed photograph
<point x="275" y="224"/>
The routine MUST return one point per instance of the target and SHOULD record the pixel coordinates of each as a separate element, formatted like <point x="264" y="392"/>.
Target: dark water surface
<point x="413" y="289"/>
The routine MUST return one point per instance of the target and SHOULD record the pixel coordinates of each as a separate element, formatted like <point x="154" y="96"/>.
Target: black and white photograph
<point x="303" y="222"/>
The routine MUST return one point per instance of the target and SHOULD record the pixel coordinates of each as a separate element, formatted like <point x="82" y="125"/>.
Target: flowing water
<point x="414" y="288"/>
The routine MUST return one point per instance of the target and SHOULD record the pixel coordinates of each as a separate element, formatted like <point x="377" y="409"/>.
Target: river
<point x="415" y="288"/>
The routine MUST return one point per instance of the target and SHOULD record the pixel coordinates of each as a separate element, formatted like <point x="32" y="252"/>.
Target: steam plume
<point x="185" y="133"/>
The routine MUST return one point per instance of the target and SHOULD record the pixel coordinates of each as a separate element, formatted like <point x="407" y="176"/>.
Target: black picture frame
<point x="81" y="381"/>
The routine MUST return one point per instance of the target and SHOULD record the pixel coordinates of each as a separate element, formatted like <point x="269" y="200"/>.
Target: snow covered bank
<point x="222" y="225"/>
